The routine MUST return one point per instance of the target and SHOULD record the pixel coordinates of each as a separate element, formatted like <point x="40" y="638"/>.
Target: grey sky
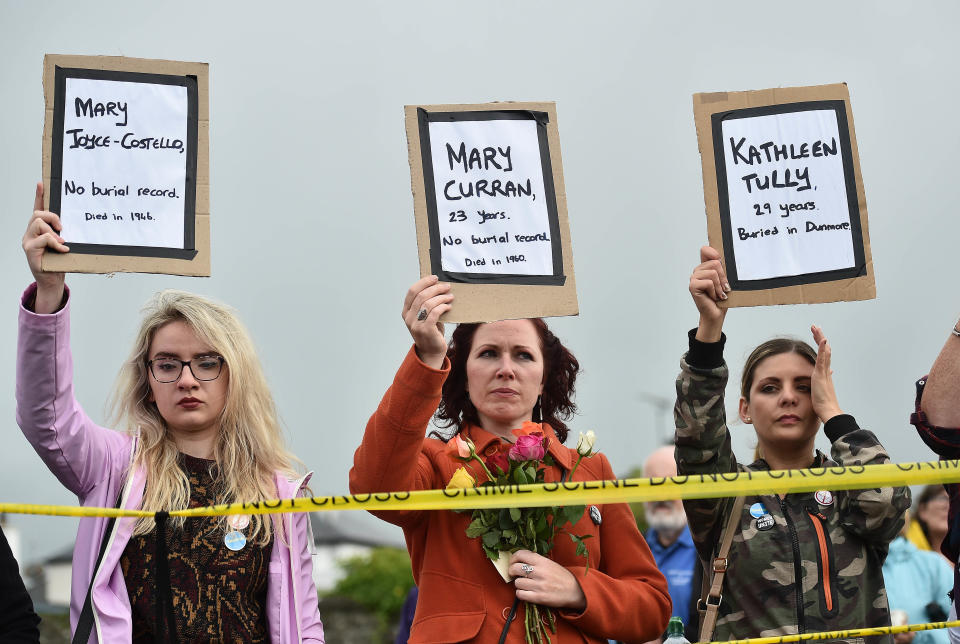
<point x="312" y="217"/>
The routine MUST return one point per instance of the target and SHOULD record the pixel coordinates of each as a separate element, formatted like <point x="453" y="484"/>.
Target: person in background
<point x="670" y="542"/>
<point x="929" y="526"/>
<point x="917" y="584"/>
<point x="18" y="621"/>
<point x="937" y="419"/>
<point x="406" y="616"/>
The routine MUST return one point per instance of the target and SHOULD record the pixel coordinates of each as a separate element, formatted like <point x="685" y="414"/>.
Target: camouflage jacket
<point x="807" y="563"/>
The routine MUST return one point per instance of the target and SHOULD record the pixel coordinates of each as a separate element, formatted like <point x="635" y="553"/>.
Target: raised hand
<point x="41" y="234"/>
<point x="425" y="302"/>
<point x="708" y="286"/>
<point x="822" y="394"/>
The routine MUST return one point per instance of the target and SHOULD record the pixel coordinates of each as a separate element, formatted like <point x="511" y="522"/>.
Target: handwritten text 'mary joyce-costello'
<point x="124" y="162"/>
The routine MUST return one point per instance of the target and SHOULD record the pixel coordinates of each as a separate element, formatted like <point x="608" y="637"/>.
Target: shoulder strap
<point x="85" y="621"/>
<point x="709" y="603"/>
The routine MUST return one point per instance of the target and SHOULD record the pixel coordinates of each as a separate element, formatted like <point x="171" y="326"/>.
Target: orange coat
<point x="462" y="597"/>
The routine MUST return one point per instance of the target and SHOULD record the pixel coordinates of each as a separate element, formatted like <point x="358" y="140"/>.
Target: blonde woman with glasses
<point x="200" y="427"/>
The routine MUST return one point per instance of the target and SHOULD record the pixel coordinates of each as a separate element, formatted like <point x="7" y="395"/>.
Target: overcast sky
<point x="313" y="237"/>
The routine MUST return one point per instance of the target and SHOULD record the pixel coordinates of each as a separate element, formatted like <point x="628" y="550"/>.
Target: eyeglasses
<point x="204" y="368"/>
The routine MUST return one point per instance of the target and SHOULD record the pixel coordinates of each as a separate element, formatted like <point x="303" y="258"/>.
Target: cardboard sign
<point x="126" y="164"/>
<point x="490" y="208"/>
<point x="784" y="195"/>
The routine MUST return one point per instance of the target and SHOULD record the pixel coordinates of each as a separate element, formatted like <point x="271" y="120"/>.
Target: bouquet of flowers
<point x="503" y="531"/>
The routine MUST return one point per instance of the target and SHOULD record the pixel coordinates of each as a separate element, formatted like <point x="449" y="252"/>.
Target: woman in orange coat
<point x="489" y="381"/>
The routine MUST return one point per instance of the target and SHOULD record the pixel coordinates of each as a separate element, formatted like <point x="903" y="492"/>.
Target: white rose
<point x="585" y="443"/>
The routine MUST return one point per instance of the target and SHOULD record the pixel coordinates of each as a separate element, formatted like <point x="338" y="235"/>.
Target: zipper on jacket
<point x="797" y="566"/>
<point x="825" y="552"/>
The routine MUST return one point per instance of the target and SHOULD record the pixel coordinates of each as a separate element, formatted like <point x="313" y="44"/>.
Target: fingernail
<point x="726" y="285"/>
<point x="723" y="296"/>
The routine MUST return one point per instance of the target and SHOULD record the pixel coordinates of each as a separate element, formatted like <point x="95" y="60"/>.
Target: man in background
<point x="670" y="541"/>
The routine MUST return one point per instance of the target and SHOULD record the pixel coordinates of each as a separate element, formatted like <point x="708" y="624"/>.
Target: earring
<point x="749" y="420"/>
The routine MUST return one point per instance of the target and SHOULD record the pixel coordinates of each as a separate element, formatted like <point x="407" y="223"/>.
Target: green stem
<point x="579" y="458"/>
<point x="490" y="477"/>
<point x="526" y="623"/>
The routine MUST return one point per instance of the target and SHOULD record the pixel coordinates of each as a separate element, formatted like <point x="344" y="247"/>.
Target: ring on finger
<point x="422" y="315"/>
<point x="527" y="569"/>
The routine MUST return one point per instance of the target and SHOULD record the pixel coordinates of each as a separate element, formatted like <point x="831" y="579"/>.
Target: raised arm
<point x="875" y="514"/>
<point x="702" y="439"/>
<point x="43" y="233"/>
<point x="390" y="457"/>
<point x="941" y="396"/>
<point x="78" y="452"/>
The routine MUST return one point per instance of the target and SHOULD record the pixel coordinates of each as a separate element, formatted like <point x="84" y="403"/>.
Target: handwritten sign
<point x="490" y="204"/>
<point x="123" y="163"/>
<point x="487" y="171"/>
<point x="787" y="197"/>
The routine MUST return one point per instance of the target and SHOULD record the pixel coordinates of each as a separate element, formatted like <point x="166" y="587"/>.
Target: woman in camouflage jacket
<point x="803" y="562"/>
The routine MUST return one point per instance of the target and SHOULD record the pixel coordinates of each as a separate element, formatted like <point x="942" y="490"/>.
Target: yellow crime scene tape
<point x="844" y="635"/>
<point x="598" y="492"/>
<point x="701" y="486"/>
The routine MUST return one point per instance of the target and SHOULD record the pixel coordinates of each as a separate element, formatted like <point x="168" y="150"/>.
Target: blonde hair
<point x="249" y="448"/>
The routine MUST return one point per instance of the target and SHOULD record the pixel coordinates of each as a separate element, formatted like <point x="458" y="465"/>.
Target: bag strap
<point x="85" y="621"/>
<point x="709" y="604"/>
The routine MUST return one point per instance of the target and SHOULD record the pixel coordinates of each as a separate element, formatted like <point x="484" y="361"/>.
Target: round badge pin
<point x="824" y="497"/>
<point x="238" y="521"/>
<point x="235" y="540"/>
<point x="765" y="522"/>
<point x="757" y="510"/>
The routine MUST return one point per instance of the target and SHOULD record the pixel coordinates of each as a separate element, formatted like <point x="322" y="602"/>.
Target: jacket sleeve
<point x="18" y="621"/>
<point x="941" y="578"/>
<point x="311" y="628"/>
<point x="944" y="441"/>
<point x="876" y="514"/>
<point x="390" y="457"/>
<point x="702" y="438"/>
<point x="78" y="452"/>
<point x="627" y="596"/>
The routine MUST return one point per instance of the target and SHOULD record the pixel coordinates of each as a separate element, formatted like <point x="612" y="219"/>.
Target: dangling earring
<point x="537" y="411"/>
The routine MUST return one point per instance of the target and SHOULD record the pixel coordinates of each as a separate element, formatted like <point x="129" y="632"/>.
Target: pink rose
<point x="459" y="448"/>
<point x="527" y="448"/>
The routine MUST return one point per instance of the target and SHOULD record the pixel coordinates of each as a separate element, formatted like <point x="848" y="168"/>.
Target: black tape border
<point x="188" y="251"/>
<point x="424" y="118"/>
<point x="859" y="267"/>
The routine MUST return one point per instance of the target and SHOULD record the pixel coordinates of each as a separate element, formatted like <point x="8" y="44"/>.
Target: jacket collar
<point x="819" y="460"/>
<point x="484" y="441"/>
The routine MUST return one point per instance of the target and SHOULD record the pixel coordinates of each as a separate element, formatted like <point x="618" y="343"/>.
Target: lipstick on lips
<point x="789" y="419"/>
<point x="189" y="402"/>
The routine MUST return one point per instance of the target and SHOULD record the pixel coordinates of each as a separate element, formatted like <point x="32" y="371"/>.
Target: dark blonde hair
<point x="773" y="347"/>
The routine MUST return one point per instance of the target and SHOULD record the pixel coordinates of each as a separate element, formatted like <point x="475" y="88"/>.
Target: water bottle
<point x="675" y="632"/>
